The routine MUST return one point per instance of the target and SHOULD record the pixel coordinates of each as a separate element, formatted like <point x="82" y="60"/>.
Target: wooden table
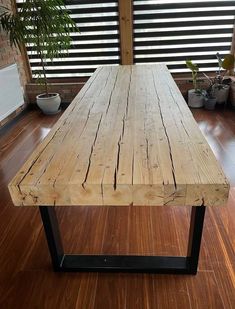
<point x="128" y="138"/>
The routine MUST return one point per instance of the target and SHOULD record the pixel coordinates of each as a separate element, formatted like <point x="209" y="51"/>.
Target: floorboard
<point x="26" y="277"/>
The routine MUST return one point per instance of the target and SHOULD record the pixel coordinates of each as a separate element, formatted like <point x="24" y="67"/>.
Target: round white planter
<point x="195" y="100"/>
<point x="221" y="94"/>
<point x="49" y="105"/>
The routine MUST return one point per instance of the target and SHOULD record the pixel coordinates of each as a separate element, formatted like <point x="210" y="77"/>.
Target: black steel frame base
<point x="123" y="263"/>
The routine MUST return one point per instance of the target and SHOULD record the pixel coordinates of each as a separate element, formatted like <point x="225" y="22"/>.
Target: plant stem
<point x="42" y="62"/>
<point x="195" y="80"/>
<point x="43" y="70"/>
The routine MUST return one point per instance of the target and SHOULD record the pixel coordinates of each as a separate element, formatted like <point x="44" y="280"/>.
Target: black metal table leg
<point x="52" y="232"/>
<point x="195" y="236"/>
<point x="128" y="263"/>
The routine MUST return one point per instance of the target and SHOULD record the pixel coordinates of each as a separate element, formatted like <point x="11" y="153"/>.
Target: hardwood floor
<point x="26" y="277"/>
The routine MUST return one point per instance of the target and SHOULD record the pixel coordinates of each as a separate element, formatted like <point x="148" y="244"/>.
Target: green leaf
<point x="192" y="66"/>
<point x="228" y="62"/>
<point x="46" y="25"/>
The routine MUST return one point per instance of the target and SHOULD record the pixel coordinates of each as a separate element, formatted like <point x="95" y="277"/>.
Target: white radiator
<point x="11" y="92"/>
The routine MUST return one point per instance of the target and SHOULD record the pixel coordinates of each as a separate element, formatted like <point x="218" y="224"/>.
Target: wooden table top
<point x="128" y="138"/>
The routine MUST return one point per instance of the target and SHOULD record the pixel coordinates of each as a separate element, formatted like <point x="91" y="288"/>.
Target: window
<point x="96" y="44"/>
<point x="172" y="31"/>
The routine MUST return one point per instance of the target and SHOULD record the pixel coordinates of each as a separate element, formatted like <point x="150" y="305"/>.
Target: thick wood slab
<point x="128" y="138"/>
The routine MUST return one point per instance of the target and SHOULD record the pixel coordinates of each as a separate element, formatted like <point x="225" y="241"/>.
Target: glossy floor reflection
<point x="218" y="128"/>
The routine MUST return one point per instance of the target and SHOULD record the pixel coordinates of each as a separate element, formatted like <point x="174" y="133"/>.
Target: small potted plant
<point x="210" y="99"/>
<point x="46" y="27"/>
<point x="195" y="95"/>
<point x="221" y="83"/>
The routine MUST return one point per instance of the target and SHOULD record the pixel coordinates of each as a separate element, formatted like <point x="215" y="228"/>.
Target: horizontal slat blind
<point x="96" y="44"/>
<point x="172" y="31"/>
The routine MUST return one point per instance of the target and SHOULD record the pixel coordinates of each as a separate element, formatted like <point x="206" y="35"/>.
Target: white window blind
<point x="172" y="31"/>
<point x="97" y="43"/>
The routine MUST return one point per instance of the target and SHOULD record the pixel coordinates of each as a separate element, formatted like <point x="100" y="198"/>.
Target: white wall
<point x="11" y="92"/>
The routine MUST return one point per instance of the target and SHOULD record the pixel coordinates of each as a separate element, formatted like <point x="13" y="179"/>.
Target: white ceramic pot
<point x="49" y="104"/>
<point x="221" y="94"/>
<point x="195" y="100"/>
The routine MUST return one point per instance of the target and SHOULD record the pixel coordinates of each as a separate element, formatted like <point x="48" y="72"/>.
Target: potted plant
<point x="220" y="82"/>
<point x="210" y="99"/>
<point x="195" y="95"/>
<point x="45" y="26"/>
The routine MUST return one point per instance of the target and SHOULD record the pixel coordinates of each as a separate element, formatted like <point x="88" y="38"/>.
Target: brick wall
<point x="67" y="91"/>
<point x="9" y="55"/>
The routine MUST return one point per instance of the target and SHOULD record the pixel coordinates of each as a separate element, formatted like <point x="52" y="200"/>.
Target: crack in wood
<point x="117" y="166"/>
<point x="35" y="160"/>
<point x="66" y="119"/>
<point x="65" y="122"/>
<point x="203" y="201"/>
<point x="130" y="132"/>
<point x="89" y="86"/>
<point x="122" y="134"/>
<point x="111" y="94"/>
<point x="147" y="152"/>
<point x="184" y="128"/>
<point x="128" y="93"/>
<point x="91" y="152"/>
<point x="34" y="197"/>
<point x="123" y="126"/>
<point x="146" y="139"/>
<point x="166" y="203"/>
<point x="174" y="197"/>
<point x="18" y="186"/>
<point x="53" y="136"/>
<point x="92" y="81"/>
<point x="166" y="133"/>
<point x="105" y="82"/>
<point x="44" y="171"/>
<point x="173" y="97"/>
<point x="115" y="179"/>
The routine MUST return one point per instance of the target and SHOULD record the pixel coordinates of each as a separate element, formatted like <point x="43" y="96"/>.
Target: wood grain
<point x="128" y="138"/>
<point x="126" y="31"/>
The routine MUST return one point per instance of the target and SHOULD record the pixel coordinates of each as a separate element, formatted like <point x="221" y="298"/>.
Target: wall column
<point x="126" y="30"/>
